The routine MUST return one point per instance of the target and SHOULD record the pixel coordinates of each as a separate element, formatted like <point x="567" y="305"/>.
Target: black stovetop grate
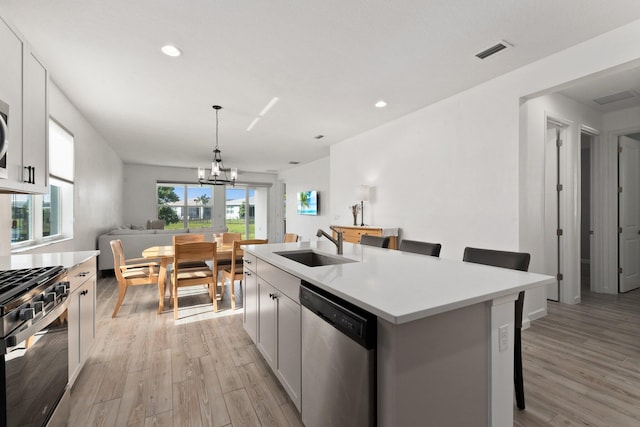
<point x="15" y="282"/>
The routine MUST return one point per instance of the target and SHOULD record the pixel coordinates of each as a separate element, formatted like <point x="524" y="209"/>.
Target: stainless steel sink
<point x="311" y="258"/>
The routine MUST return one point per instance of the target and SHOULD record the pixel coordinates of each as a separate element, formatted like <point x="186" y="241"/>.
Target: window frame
<point x="183" y="209"/>
<point x="37" y="201"/>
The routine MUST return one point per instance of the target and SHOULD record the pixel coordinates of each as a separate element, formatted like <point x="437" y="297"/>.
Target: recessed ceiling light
<point x="381" y="104"/>
<point x="171" y="50"/>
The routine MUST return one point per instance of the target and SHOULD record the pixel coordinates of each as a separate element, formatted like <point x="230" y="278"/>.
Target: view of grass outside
<point x="237" y="226"/>
<point x="183" y="206"/>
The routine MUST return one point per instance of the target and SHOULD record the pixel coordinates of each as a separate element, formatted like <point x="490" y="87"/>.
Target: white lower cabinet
<point x="250" y="300"/>
<point x="82" y="314"/>
<point x="289" y="352"/>
<point x="278" y="337"/>
<point x="267" y="319"/>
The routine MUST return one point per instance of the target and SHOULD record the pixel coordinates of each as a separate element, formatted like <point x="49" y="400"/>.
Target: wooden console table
<point x="352" y="233"/>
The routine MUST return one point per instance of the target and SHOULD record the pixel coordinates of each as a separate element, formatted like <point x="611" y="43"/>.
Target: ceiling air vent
<point x="614" y="97"/>
<point x="501" y="45"/>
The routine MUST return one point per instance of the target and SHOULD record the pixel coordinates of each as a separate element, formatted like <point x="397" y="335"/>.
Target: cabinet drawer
<point x="281" y="280"/>
<point x="78" y="274"/>
<point x="249" y="262"/>
<point x="352" y="235"/>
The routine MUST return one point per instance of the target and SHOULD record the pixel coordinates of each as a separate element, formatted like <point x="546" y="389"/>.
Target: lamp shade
<point x="363" y="193"/>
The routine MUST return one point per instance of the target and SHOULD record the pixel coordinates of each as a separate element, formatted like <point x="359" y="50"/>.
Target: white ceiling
<point x="610" y="83"/>
<point x="328" y="62"/>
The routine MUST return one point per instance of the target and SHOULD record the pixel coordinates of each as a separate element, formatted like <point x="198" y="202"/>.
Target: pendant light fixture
<point x="218" y="175"/>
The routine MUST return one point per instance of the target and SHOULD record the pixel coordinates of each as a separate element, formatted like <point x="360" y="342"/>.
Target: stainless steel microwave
<point x="4" y="138"/>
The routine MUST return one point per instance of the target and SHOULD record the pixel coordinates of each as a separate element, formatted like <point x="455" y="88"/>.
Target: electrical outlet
<point x="503" y="338"/>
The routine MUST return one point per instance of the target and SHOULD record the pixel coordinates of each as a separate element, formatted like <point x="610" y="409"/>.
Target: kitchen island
<point x="444" y="327"/>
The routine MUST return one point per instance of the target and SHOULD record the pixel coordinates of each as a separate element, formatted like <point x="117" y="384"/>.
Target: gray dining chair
<point x="377" y="241"/>
<point x="514" y="261"/>
<point x="422" y="248"/>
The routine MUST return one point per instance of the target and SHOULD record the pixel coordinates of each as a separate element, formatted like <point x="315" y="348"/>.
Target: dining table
<point x="165" y="255"/>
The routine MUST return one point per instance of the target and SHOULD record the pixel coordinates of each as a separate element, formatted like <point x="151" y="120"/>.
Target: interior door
<point x="552" y="246"/>
<point x="629" y="214"/>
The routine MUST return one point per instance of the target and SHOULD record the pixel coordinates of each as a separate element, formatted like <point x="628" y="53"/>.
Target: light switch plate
<point x="503" y="338"/>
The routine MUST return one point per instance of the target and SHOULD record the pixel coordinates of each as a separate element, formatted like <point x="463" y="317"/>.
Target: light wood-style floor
<point x="581" y="366"/>
<point x="582" y="363"/>
<point x="149" y="370"/>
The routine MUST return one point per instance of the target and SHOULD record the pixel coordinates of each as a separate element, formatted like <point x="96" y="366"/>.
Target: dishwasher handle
<point x="354" y="322"/>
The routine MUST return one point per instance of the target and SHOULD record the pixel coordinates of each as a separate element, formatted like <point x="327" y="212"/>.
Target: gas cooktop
<point x="27" y="293"/>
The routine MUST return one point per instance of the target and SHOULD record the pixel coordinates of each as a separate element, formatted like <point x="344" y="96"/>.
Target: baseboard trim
<point x="537" y="314"/>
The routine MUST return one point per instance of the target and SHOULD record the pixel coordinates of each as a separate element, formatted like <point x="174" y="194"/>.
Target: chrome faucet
<point x="337" y="242"/>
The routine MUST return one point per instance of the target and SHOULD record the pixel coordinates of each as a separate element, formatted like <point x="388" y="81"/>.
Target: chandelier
<point x="218" y="175"/>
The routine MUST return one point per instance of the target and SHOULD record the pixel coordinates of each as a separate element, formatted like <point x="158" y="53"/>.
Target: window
<point x="37" y="219"/>
<point x="184" y="205"/>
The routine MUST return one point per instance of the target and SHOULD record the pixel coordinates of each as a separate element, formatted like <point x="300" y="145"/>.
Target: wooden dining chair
<point x="229" y="238"/>
<point x="422" y="248"/>
<point x="184" y="275"/>
<point x="514" y="261"/>
<point x="188" y="238"/>
<point x="291" y="237"/>
<point x="235" y="268"/>
<point x="377" y="241"/>
<point x="131" y="272"/>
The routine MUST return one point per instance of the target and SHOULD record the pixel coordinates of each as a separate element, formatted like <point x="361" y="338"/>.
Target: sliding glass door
<point x="246" y="211"/>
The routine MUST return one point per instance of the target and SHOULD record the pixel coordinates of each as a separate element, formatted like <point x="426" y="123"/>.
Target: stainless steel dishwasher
<point x="338" y="361"/>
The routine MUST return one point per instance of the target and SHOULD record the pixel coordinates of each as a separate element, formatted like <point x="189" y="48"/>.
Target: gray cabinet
<point x="82" y="314"/>
<point x="23" y="86"/>
<point x="278" y="325"/>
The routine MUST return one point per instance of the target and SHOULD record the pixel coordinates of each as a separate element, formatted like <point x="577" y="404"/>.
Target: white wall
<point x="310" y="176"/>
<point x="98" y="182"/>
<point x="453" y="172"/>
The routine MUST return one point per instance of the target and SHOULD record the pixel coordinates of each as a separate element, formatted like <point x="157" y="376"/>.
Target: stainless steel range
<point x="34" y="345"/>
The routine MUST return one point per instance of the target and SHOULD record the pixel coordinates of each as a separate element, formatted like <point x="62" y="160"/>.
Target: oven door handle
<point x="17" y="337"/>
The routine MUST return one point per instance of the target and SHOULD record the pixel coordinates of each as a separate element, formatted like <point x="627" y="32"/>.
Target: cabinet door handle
<point x="28" y="179"/>
<point x="247" y="261"/>
<point x="84" y="292"/>
<point x="248" y="273"/>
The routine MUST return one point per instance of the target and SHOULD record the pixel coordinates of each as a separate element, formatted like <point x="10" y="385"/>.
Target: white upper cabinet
<point x="35" y="130"/>
<point x="23" y="87"/>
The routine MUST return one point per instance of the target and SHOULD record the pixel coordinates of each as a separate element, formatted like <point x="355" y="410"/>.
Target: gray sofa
<point x="135" y="241"/>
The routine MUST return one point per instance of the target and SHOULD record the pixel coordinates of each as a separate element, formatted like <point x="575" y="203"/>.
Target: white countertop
<point x="65" y="259"/>
<point x="399" y="286"/>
